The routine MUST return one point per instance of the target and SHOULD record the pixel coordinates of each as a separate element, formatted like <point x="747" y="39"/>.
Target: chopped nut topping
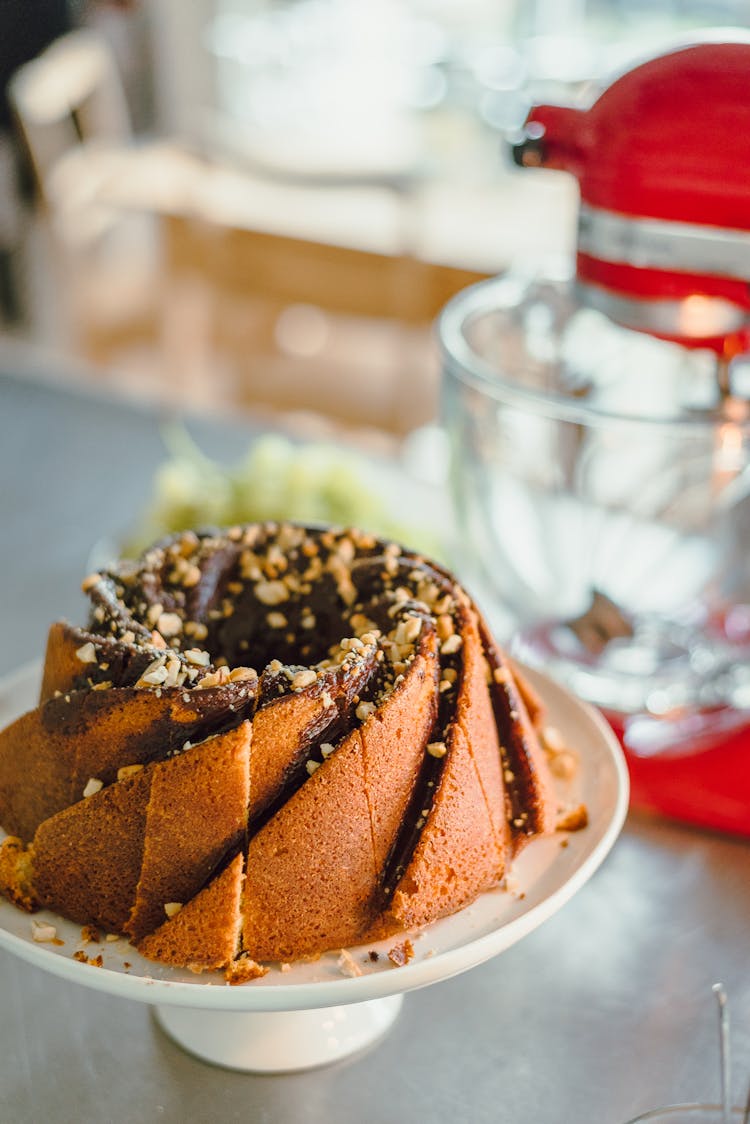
<point x="86" y="653"/>
<point x="564" y="765"/>
<point x="238" y="674"/>
<point x="128" y="771"/>
<point x="89" y="582"/>
<point x="573" y="819"/>
<point x="451" y="645"/>
<point x="216" y="678"/>
<point x="312" y="766"/>
<point x="445" y="627"/>
<point x="196" y="629"/>
<point x="552" y="739"/>
<point x="42" y="931"/>
<point x="198" y="657"/>
<point x="169" y="624"/>
<point x="303" y="679"/>
<point x="271" y="593"/>
<point x="276" y="620"/>
<point x="437" y="749"/>
<point x="172" y="908"/>
<point x="348" y="966"/>
<point x="327" y="749"/>
<point x="154" y="674"/>
<point x="190" y="576"/>
<point x="364" y="710"/>
<point x="93" y="785"/>
<point x="153" y="614"/>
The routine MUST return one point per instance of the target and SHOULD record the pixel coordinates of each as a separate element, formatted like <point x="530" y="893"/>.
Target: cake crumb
<point x="89" y="934"/>
<point x="373" y="955"/>
<point x="347" y="965"/>
<point x="401" y="954"/>
<point x="243" y="970"/>
<point x="80" y="956"/>
<point x="573" y="818"/>
<point x="285" y="967"/>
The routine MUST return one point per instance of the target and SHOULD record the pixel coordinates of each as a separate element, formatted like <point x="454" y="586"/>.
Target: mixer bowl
<point x="601" y="491"/>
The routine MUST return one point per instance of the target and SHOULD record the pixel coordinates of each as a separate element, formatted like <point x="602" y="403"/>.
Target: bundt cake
<point x="270" y="742"/>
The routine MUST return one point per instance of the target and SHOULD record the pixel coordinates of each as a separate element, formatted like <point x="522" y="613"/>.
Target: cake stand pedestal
<point x="279" y="1041"/>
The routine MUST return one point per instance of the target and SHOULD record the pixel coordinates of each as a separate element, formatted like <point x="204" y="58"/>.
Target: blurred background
<point x="262" y="205"/>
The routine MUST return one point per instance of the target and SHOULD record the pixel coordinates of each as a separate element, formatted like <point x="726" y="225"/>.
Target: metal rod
<point x="724" y="1053"/>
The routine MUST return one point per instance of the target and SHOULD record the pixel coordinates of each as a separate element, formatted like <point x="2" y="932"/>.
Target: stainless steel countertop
<point x="603" y="1012"/>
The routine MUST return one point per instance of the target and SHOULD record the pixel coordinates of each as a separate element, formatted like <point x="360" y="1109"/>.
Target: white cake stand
<point x="312" y="1013"/>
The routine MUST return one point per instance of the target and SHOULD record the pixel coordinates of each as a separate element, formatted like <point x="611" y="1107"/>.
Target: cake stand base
<point x="278" y="1041"/>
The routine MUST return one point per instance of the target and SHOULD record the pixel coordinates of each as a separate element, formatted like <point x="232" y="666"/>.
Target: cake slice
<point x="531" y="797"/>
<point x="456" y="855"/>
<point x="35" y="774"/>
<point x="196" y="816"/>
<point x="394" y="738"/>
<point x="311" y="875"/>
<point x="87" y="859"/>
<point x="474" y="714"/>
<point x="204" y="934"/>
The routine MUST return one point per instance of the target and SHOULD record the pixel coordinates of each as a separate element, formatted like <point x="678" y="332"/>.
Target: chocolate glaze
<point x="239" y="627"/>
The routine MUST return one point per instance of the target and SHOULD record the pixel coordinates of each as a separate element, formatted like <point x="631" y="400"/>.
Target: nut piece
<point x="573" y="818"/>
<point x="451" y="645"/>
<point x="172" y="908"/>
<point x="93" y="785"/>
<point x="42" y="931"/>
<point x="271" y="593"/>
<point x="303" y="678"/>
<point x="169" y="624"/>
<point x="348" y="966"/>
<point x="86" y="653"/>
<point x="128" y="771"/>
<point x="437" y="749"/>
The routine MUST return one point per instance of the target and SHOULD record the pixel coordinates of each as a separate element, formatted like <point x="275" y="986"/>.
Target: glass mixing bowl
<point x="601" y="489"/>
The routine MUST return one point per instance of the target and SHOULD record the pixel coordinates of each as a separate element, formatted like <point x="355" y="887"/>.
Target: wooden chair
<point x="72" y="116"/>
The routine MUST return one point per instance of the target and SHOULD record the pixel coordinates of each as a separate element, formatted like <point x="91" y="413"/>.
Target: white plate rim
<point x="143" y="982"/>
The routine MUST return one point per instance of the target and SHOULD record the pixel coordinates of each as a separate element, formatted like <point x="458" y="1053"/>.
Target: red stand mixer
<point x="634" y="371"/>
<point x="662" y="158"/>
